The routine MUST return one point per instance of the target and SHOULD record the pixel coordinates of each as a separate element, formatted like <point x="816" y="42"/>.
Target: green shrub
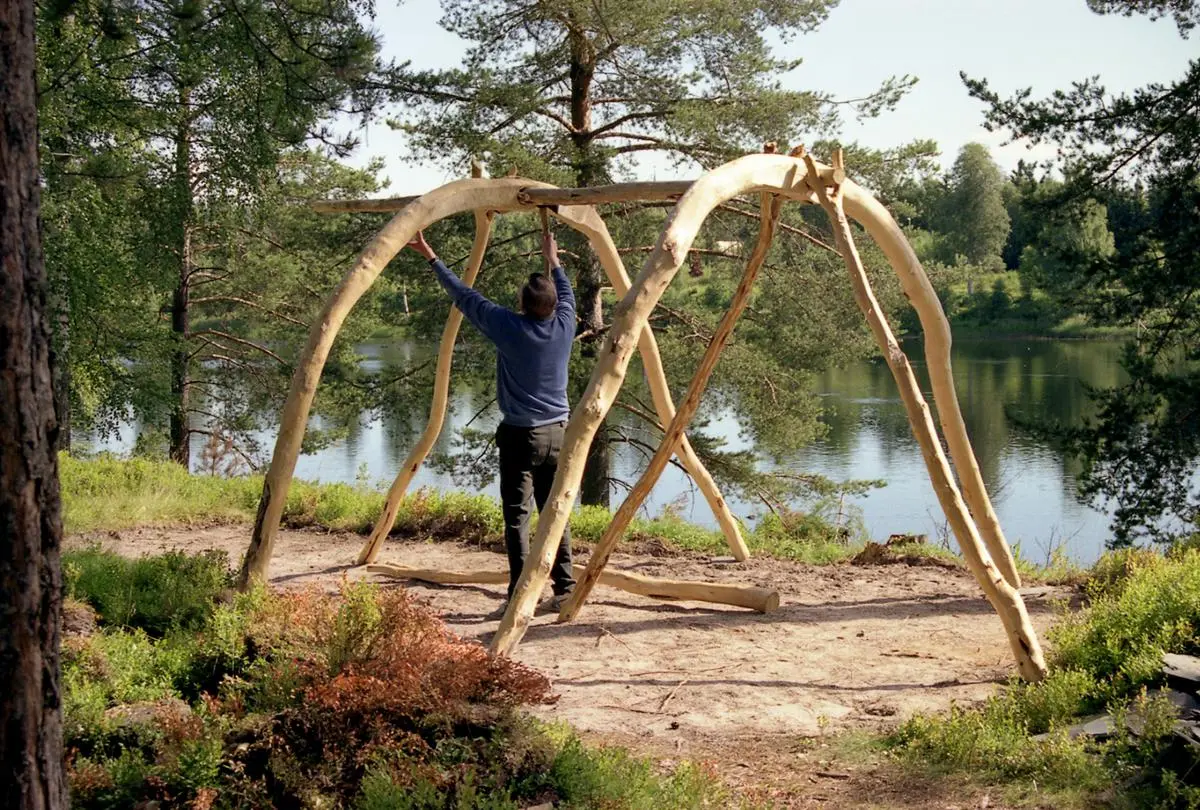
<point x="361" y="699"/>
<point x="611" y="777"/>
<point x="156" y="594"/>
<point x="107" y="493"/>
<point x="1143" y="604"/>
<point x="1151" y="607"/>
<point x="800" y="536"/>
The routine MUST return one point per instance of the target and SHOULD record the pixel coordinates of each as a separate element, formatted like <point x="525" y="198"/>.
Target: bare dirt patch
<point x="850" y="647"/>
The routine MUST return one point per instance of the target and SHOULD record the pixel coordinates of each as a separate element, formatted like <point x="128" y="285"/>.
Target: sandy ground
<point x="850" y="647"/>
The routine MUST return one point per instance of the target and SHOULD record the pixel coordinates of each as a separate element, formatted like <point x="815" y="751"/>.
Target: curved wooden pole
<point x="1005" y="599"/>
<point x="750" y="173"/>
<point x="497" y="195"/>
<point x="864" y="208"/>
<point x="771" y="206"/>
<point x="762" y="600"/>
<point x="660" y="391"/>
<point x="441" y="399"/>
<point x="591" y="225"/>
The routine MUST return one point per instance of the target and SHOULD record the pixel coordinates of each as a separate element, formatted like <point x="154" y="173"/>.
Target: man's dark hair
<point x="538" y="297"/>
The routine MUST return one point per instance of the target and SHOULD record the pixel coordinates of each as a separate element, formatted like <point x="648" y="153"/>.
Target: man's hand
<point x="550" y="250"/>
<point x="419" y="244"/>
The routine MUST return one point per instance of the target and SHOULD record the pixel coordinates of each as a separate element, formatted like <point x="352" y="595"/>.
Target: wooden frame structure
<point x="776" y="178"/>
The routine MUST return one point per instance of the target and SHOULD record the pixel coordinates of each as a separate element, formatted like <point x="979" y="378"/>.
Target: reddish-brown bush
<point x="380" y="673"/>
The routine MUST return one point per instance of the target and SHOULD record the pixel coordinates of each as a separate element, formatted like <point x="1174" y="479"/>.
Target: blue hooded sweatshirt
<point x="531" y="354"/>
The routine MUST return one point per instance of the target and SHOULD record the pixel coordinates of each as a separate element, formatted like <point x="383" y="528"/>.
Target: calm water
<point x="1032" y="485"/>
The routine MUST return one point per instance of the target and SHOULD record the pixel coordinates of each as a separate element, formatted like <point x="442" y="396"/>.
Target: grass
<point x="305" y="699"/>
<point x="105" y="494"/>
<point x="1103" y="658"/>
<point x="108" y="494"/>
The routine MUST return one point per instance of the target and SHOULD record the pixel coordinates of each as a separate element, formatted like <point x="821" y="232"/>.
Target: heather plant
<point x="360" y="698"/>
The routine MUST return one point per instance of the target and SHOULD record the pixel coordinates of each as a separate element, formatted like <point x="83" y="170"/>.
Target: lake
<point x="1032" y="485"/>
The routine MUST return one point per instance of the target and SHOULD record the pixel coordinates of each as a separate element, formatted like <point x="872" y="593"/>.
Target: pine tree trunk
<point x="31" y="748"/>
<point x="589" y="278"/>
<point x="60" y="367"/>
<point x="180" y="448"/>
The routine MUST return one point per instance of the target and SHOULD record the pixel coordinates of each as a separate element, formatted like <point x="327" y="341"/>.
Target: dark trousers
<point x="528" y="461"/>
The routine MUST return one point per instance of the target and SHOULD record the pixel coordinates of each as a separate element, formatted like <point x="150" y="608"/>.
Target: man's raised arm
<point x="562" y="286"/>
<point x="487" y="317"/>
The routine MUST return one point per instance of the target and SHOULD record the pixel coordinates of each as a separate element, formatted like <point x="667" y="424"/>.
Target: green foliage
<point x="106" y="493"/>
<point x="1121" y="636"/>
<point x="1073" y="236"/>
<point x="611" y="777"/>
<point x="174" y="591"/>
<point x="110" y="493"/>
<point x="1103" y="658"/>
<point x="173" y="143"/>
<point x="362" y="699"/>
<point x="974" y="218"/>
<point x="1136" y="153"/>
<point x="687" y="79"/>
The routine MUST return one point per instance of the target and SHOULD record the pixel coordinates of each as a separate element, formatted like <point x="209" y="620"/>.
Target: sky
<point x="1043" y="44"/>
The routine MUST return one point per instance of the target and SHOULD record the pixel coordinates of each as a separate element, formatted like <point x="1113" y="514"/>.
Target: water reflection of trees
<point x="1001" y="385"/>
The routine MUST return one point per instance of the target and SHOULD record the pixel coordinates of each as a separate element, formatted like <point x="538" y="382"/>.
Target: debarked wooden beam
<point x="763" y="600"/>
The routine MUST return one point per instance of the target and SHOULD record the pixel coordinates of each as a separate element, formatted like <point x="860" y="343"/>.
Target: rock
<point x="1181" y="700"/>
<point x="1182" y="671"/>
<point x="78" y="618"/>
<point x="147" y="712"/>
<point x="1099" y="728"/>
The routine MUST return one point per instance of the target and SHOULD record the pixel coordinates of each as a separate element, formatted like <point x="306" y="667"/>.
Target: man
<point x="533" y="347"/>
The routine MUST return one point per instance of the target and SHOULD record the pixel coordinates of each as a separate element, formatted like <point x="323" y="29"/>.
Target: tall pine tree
<point x="576" y="91"/>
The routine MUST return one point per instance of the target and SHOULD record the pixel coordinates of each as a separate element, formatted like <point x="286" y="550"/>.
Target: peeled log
<point x="1005" y="599"/>
<point x="771" y="206"/>
<point x="751" y="173"/>
<point x="763" y="600"/>
<point x="496" y="195"/>
<point x="437" y="409"/>
<point x="864" y="208"/>
<point x="747" y="174"/>
<point x="660" y="392"/>
<point x="376" y="206"/>
<point x="453" y="198"/>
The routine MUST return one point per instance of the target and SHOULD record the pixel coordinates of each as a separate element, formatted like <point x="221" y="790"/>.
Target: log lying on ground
<point x="763" y="600"/>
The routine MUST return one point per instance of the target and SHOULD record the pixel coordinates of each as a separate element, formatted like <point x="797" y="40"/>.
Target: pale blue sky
<point x="1044" y="44"/>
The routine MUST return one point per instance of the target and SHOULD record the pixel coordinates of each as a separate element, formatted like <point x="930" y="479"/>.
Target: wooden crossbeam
<point x="647" y="191"/>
